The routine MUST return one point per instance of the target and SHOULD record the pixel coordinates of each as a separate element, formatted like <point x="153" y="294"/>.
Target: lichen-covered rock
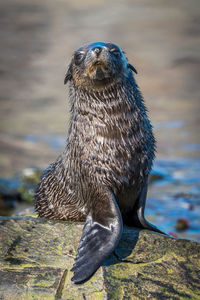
<point x="36" y="257"/>
<point x="154" y="267"/>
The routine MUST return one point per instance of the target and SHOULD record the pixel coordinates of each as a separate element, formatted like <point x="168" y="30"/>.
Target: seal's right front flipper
<point x="100" y="236"/>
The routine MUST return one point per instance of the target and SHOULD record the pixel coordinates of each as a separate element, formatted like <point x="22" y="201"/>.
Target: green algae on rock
<point x="36" y="257"/>
<point x="156" y="267"/>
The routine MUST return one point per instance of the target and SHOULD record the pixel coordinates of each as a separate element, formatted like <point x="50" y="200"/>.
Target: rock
<point x="29" y="179"/>
<point x="20" y="188"/>
<point x="9" y="195"/>
<point x="36" y="257"/>
<point x="182" y="224"/>
<point x="31" y="175"/>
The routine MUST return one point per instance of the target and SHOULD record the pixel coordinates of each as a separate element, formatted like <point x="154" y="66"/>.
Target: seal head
<point x="98" y="64"/>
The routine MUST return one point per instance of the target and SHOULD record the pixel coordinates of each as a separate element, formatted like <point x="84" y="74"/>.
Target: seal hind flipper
<point x="136" y="216"/>
<point x="100" y="236"/>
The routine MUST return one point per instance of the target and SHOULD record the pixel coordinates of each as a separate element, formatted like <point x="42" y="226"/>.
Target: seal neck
<point x="125" y="92"/>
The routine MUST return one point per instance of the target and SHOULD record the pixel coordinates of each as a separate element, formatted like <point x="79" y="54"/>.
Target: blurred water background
<point x="160" y="38"/>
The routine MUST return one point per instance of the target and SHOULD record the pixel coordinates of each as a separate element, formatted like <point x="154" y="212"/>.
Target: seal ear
<point x="68" y="75"/>
<point x="132" y="68"/>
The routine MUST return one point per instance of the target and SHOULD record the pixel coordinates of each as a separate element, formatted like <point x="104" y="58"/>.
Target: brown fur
<point x="110" y="141"/>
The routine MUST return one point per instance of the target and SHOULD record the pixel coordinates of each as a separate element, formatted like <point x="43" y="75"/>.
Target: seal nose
<point x="97" y="50"/>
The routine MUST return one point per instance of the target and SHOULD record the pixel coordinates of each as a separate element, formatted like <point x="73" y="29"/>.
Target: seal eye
<point x="78" y="57"/>
<point x="115" y="52"/>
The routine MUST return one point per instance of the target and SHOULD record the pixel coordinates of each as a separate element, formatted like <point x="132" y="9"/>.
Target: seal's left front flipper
<point x="100" y="236"/>
<point x="136" y="217"/>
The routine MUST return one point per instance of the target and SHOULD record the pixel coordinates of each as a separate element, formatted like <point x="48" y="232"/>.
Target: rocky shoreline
<point x="36" y="257"/>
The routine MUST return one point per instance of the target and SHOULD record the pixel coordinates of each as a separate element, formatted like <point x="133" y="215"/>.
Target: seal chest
<point x="102" y="175"/>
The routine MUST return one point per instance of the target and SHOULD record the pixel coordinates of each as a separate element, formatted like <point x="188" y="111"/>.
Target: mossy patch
<point x="158" y="267"/>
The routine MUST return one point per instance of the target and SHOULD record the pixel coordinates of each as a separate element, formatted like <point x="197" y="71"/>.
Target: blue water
<point x="176" y="196"/>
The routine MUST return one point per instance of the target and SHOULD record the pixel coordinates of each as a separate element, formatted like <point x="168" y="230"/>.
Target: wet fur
<point x="104" y="169"/>
<point x="110" y="142"/>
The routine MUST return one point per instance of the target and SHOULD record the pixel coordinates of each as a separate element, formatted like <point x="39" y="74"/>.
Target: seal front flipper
<point x="136" y="216"/>
<point x="100" y="236"/>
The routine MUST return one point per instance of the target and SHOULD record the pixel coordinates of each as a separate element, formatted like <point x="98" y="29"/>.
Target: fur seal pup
<point x="101" y="178"/>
